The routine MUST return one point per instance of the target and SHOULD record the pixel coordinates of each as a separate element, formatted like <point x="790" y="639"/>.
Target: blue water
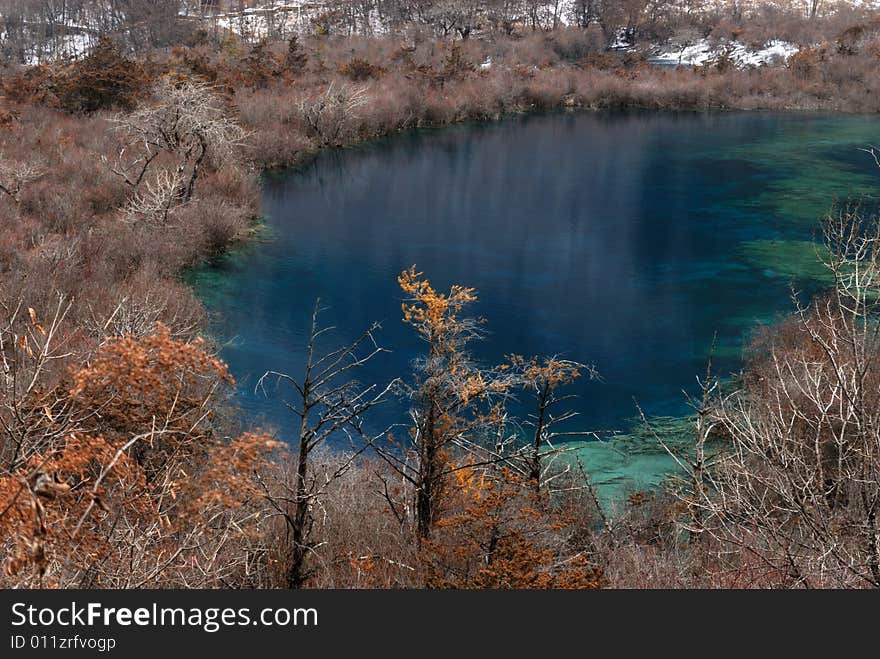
<point x="622" y="240"/>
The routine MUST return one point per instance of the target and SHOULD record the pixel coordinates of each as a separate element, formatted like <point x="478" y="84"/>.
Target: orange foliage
<point x="455" y="397"/>
<point x="228" y="477"/>
<point x="48" y="504"/>
<point x="550" y="372"/>
<point x="153" y="474"/>
<point x="359" y="69"/>
<point x="138" y="383"/>
<point x="432" y="313"/>
<point x="503" y="535"/>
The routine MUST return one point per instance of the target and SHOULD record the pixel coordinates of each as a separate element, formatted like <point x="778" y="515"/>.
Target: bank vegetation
<point x="123" y="463"/>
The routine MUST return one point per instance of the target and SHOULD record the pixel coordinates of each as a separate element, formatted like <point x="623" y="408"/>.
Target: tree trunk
<point x="535" y="463"/>
<point x="429" y="473"/>
<point x="296" y="573"/>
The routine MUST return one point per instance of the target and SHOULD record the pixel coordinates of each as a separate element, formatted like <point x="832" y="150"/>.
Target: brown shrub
<point x="852" y="40"/>
<point x="195" y="61"/>
<point x="392" y="103"/>
<point x="295" y="56"/>
<point x="260" y="66"/>
<point x="497" y="533"/>
<point x="573" y="44"/>
<point x="103" y="80"/>
<point x="358" y="70"/>
<point x="215" y="223"/>
<point x="59" y="211"/>
<point x="549" y="89"/>
<point x="803" y="63"/>
<point x="33" y="85"/>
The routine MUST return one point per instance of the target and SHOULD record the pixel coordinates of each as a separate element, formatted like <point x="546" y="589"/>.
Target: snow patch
<point x="622" y="40"/>
<point x="66" y="47"/>
<point x="705" y="52"/>
<point x="285" y="17"/>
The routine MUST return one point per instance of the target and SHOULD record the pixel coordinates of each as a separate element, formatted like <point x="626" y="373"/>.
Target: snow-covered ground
<point x="259" y="23"/>
<point x="280" y="18"/>
<point x="68" y="46"/>
<point x="284" y="17"/>
<point x="705" y="52"/>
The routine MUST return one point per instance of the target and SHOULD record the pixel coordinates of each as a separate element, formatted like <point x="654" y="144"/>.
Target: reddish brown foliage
<point x="46" y="504"/>
<point x="155" y="475"/>
<point x="501" y="534"/>
<point x="103" y="80"/>
<point x="137" y="382"/>
<point x="358" y="70"/>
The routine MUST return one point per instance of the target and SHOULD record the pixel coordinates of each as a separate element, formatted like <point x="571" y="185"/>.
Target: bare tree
<point x="156" y="197"/>
<point x="14" y="175"/>
<point x="29" y="349"/>
<point x="187" y="122"/>
<point x="328" y="115"/>
<point x="329" y="404"/>
<point x="689" y="482"/>
<point x="797" y="484"/>
<point x="544" y="378"/>
<point x="460" y="17"/>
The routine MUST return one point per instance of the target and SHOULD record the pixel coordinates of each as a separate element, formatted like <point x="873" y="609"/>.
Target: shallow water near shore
<point x="622" y="240"/>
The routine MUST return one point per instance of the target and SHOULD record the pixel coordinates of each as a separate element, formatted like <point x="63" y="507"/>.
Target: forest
<point x="124" y="462"/>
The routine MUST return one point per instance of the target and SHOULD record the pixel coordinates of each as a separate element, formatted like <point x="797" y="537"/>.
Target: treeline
<point x="36" y="31"/>
<point x="122" y="461"/>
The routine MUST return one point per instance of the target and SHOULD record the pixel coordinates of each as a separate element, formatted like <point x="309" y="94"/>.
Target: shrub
<point x="194" y="61"/>
<point x="358" y="70"/>
<point x="803" y="63"/>
<point x="498" y="533"/>
<point x="103" y="80"/>
<point x="260" y="66"/>
<point x="295" y="57"/>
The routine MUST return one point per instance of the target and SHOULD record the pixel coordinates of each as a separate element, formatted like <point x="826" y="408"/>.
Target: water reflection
<point x="608" y="239"/>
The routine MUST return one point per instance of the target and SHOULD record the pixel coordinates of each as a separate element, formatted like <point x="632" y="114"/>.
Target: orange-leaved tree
<point x="453" y="400"/>
<point x="153" y="384"/>
<point x="146" y="489"/>
<point x="544" y="378"/>
<point x="499" y="533"/>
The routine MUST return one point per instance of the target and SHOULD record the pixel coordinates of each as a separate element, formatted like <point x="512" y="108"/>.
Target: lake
<point x="624" y="240"/>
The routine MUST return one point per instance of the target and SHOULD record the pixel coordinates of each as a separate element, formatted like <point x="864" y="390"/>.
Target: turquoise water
<point x="622" y="240"/>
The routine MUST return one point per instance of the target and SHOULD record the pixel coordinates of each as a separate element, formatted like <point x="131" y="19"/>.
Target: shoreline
<point x="627" y="429"/>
